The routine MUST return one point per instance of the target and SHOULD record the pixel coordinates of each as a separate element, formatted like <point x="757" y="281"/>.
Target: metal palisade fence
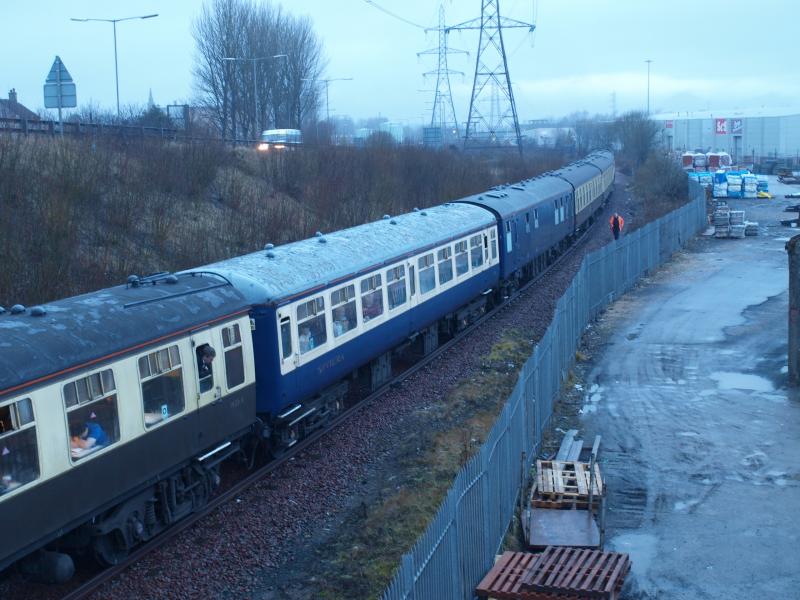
<point x="460" y="544"/>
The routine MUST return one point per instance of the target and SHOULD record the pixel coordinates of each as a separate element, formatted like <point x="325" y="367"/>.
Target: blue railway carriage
<point x="535" y="219"/>
<point x="109" y="428"/>
<point x="591" y="185"/>
<point x="604" y="160"/>
<point x="325" y="307"/>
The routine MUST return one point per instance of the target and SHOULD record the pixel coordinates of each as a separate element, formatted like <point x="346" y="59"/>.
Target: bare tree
<point x="262" y="88"/>
<point x="636" y="133"/>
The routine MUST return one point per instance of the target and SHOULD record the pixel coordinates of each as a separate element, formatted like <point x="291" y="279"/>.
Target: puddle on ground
<point x="755" y="460"/>
<point x="727" y="380"/>
<point x="778" y="398"/>
<point x="642" y="548"/>
<point x="784" y="369"/>
<point x="685" y="506"/>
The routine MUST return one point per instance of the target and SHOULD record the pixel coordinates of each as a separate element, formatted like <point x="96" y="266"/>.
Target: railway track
<point x="87" y="588"/>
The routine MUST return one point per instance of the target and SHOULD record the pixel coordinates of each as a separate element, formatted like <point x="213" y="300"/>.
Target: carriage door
<point x="207" y="358"/>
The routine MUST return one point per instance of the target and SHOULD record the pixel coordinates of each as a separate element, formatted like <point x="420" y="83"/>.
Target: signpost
<point x="59" y="90"/>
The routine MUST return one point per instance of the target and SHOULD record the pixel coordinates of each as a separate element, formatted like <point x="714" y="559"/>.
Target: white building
<point x="744" y="134"/>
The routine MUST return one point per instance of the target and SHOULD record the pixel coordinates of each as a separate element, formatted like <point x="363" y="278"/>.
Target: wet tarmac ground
<point x="701" y="435"/>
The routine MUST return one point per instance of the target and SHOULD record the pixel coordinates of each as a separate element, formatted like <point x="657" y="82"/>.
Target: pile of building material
<point x="720" y="189"/>
<point x="734" y="185"/>
<point x="737" y="226"/>
<point x="722" y="220"/>
<point x="731" y="223"/>
<point x="556" y="574"/>
<point x="749" y="186"/>
<point x="705" y="179"/>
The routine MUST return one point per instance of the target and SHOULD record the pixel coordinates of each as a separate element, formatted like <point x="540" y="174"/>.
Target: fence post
<point x="794" y="309"/>
<point x="409" y="577"/>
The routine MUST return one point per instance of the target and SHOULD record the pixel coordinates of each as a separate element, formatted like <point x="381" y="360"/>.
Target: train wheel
<point x="286" y="439"/>
<point x="110" y="549"/>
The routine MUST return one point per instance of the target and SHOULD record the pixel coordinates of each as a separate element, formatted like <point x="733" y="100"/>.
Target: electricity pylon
<point x="443" y="115"/>
<point x="491" y="86"/>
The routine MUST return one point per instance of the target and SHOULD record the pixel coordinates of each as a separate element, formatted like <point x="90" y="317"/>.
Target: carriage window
<point x="205" y="355"/>
<point x="427" y="273"/>
<point x="493" y="236"/>
<point x="371" y="298"/>
<point x="527" y="222"/>
<point x="234" y="356"/>
<point x="286" y="338"/>
<point x="475" y="251"/>
<point x="396" y="286"/>
<point x="445" y="256"/>
<point x="161" y="375"/>
<point x="536" y="218"/>
<point x="555" y="212"/>
<point x="19" y="454"/>
<point x="462" y="263"/>
<point x="343" y="302"/>
<point x="91" y="404"/>
<point x="311" y="330"/>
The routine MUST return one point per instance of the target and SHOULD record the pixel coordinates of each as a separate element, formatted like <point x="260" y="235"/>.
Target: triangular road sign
<point x="54" y="76"/>
<point x="59" y="89"/>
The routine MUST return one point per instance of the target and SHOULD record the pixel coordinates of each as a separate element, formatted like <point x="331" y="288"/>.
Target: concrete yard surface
<point x="687" y="383"/>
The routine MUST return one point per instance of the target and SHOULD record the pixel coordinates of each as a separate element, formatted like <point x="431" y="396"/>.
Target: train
<point x="117" y="407"/>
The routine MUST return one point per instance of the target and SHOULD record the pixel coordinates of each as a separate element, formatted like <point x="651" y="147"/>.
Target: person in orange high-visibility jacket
<point x="615" y="223"/>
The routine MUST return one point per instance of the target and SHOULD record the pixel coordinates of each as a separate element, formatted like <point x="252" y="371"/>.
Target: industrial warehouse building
<point x="745" y="135"/>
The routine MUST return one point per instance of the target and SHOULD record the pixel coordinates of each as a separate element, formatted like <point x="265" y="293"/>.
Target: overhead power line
<point x="374" y="4"/>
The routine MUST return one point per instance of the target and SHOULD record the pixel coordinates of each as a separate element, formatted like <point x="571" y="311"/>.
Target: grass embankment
<point x="424" y="472"/>
<point x="82" y="214"/>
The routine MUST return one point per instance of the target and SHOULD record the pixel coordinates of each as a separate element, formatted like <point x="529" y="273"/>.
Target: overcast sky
<point x="710" y="54"/>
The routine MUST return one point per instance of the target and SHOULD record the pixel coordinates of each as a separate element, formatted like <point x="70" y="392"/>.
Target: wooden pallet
<point x="503" y="581"/>
<point x="584" y="573"/>
<point x="565" y="484"/>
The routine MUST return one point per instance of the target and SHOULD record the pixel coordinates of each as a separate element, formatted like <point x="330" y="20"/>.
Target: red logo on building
<point x="668" y="124"/>
<point x="722" y="126"/>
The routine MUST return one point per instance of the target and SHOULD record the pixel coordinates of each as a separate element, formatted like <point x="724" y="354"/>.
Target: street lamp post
<point x="255" y="80"/>
<point x="114" y="23"/>
<point x="327" y="82"/>
<point x="648" y="61"/>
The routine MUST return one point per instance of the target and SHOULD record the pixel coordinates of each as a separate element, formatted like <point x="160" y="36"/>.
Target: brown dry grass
<point x="81" y="214"/>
